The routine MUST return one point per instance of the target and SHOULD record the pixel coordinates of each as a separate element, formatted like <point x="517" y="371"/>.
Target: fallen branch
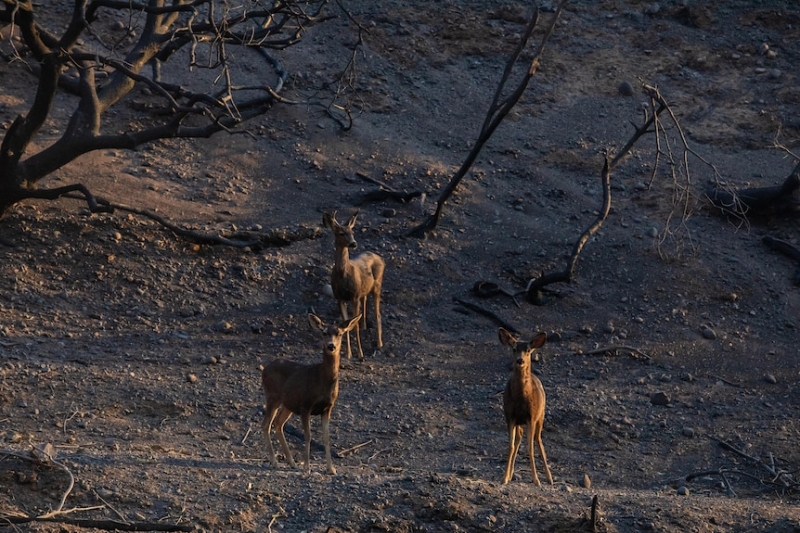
<point x="780" y="478"/>
<point x="43" y="455"/>
<point x="272" y="238"/>
<point x="485" y="312"/>
<point x="759" y="201"/>
<point x="614" y="350"/>
<point x="721" y="473"/>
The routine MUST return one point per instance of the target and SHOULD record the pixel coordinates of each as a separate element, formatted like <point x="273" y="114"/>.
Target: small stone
<point x="586" y="483"/>
<point x="652" y="9"/>
<point x="770" y="378"/>
<point x="708" y="333"/>
<point x="688" y="432"/>
<point x="659" y="398"/>
<point x="389" y="213"/>
<point x="210" y="360"/>
<point x="763" y="49"/>
<point x="191" y="378"/>
<point x="105" y="493"/>
<point x="774" y="74"/>
<point x="625" y="89"/>
<point x="683" y="491"/>
<point x="224" y="326"/>
<point x="566" y="488"/>
<point x="327" y="290"/>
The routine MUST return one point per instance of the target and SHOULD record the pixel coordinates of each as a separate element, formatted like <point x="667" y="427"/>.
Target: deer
<point x="523" y="404"/>
<point x="306" y="390"/>
<point x="353" y="280"/>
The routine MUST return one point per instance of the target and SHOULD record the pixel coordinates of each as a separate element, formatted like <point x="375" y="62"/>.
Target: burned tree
<point x="109" y="47"/>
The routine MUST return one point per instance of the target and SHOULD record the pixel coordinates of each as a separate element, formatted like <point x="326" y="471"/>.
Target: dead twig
<point x="780" y="478"/>
<point x="354" y="448"/>
<point x="721" y="473"/>
<point x="615" y="349"/>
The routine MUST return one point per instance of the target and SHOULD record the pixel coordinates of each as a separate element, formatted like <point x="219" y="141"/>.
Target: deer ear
<point x="506" y="337"/>
<point x="348" y="325"/>
<point x="315" y="322"/>
<point x="352" y="222"/>
<point x="328" y="220"/>
<point x="538" y="341"/>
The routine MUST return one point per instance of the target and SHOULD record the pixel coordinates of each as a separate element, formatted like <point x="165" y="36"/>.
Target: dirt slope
<point x="137" y="354"/>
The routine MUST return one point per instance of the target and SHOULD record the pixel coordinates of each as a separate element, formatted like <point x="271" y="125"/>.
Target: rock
<point x="191" y="378"/>
<point x="625" y="89"/>
<point x="708" y="333"/>
<point x="652" y="9"/>
<point x="586" y="483"/>
<point x="687" y="432"/>
<point x="683" y="491"/>
<point x="770" y="378"/>
<point x="774" y="74"/>
<point x="104" y="492"/>
<point x="659" y="398"/>
<point x="327" y="290"/>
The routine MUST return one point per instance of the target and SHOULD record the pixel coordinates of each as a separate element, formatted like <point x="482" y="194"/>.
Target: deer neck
<point x="342" y="259"/>
<point x="522" y="377"/>
<point x="330" y="366"/>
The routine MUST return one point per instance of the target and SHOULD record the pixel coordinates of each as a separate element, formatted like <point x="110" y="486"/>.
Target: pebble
<point x="586" y="483"/>
<point x="770" y="378"/>
<point x="191" y="378"/>
<point x="688" y="432"/>
<point x="652" y="9"/>
<point x="683" y="491"/>
<point x="659" y="398"/>
<point x="774" y="74"/>
<point x="708" y="333"/>
<point x="625" y="89"/>
<point x="105" y="493"/>
<point x="327" y="290"/>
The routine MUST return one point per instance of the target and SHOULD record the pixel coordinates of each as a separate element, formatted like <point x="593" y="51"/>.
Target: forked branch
<point x="498" y="110"/>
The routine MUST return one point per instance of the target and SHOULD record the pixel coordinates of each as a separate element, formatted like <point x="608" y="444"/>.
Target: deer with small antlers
<point x="523" y="404"/>
<point x="353" y="280"/>
<point x="305" y="390"/>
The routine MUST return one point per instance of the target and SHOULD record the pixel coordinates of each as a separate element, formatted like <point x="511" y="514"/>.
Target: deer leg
<point x="306" y="417"/>
<point x="326" y="439"/>
<point x="343" y="309"/>
<point x="376" y="296"/>
<point x="362" y="304"/>
<point x="531" y="438"/>
<point x="266" y="427"/>
<point x="280" y="421"/>
<point x="513" y="447"/>
<point x="356" y="311"/>
<point x="541" y="449"/>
